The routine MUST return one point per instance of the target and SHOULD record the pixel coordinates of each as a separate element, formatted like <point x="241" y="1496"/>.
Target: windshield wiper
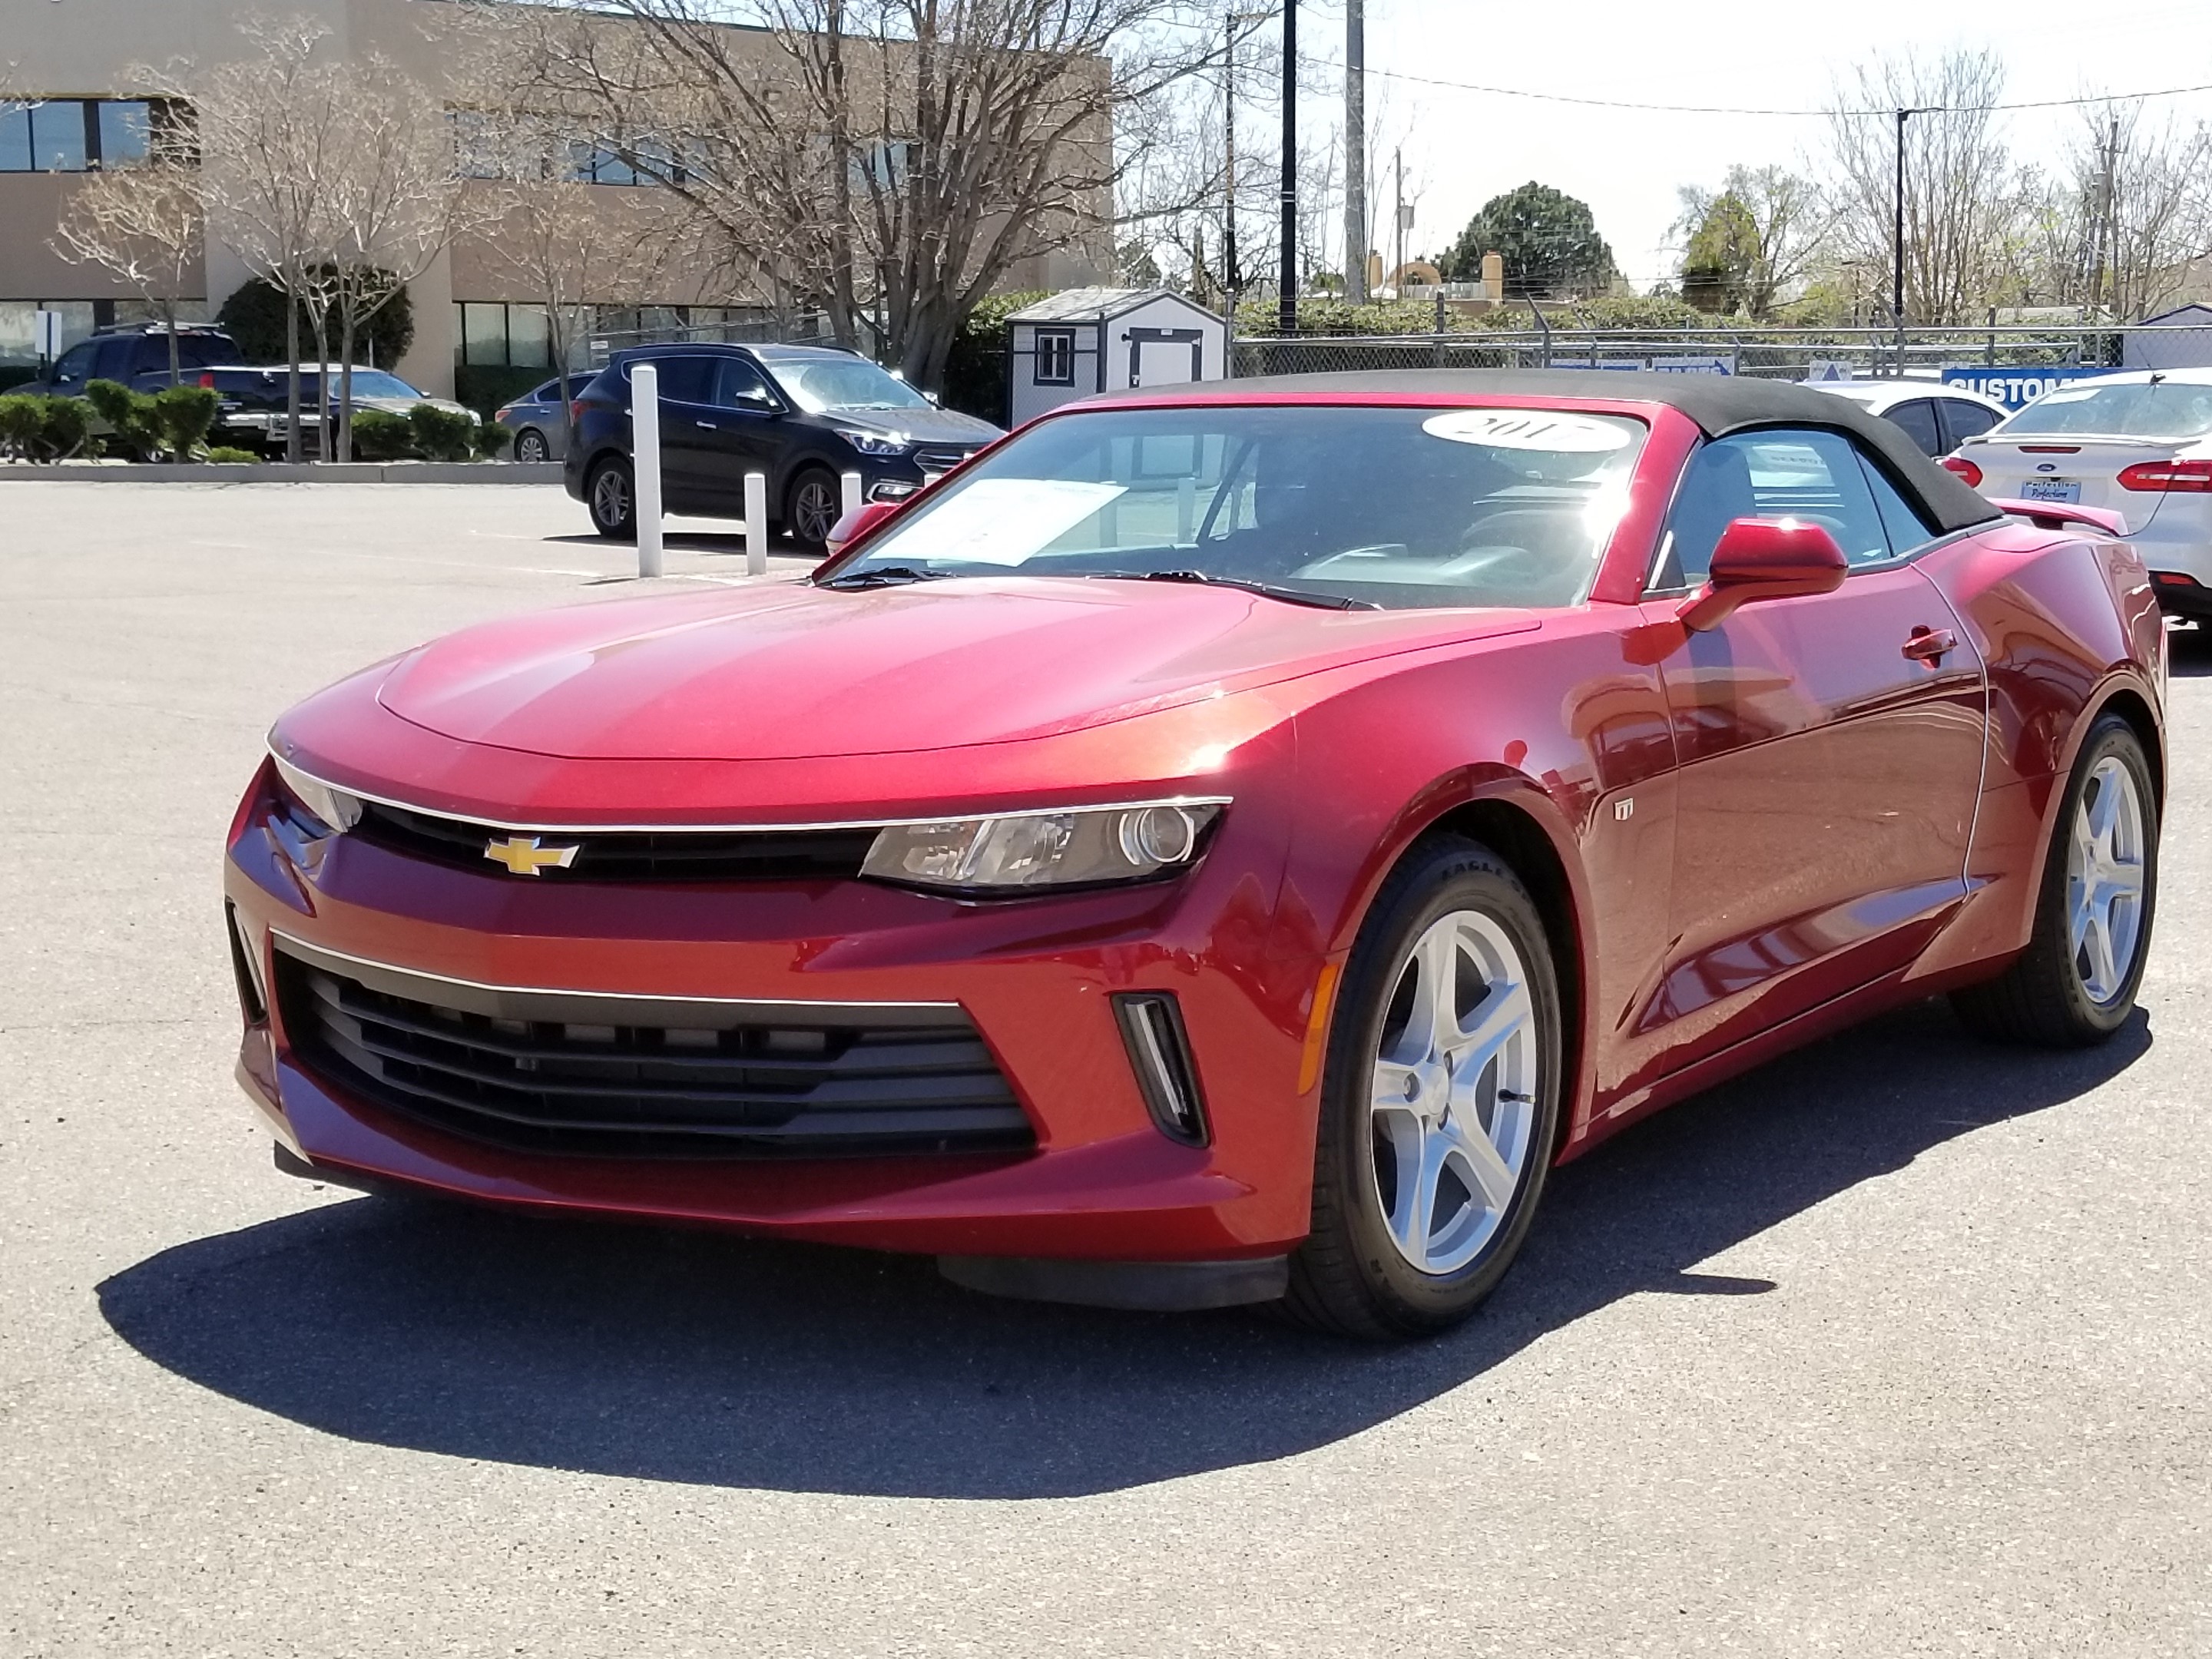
<point x="884" y="575"/>
<point x="1266" y="590"/>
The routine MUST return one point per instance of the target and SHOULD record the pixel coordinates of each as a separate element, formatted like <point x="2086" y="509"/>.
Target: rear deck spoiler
<point x="2057" y="515"/>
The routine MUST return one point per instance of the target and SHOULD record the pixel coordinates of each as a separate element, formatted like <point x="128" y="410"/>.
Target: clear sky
<point x="1463" y="148"/>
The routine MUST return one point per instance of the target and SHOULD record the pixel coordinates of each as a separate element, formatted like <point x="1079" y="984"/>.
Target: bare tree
<point x="1959" y="199"/>
<point x="890" y="161"/>
<point x="567" y="250"/>
<point x="2144" y="194"/>
<point x="145" y="223"/>
<point x="395" y="202"/>
<point x="274" y="128"/>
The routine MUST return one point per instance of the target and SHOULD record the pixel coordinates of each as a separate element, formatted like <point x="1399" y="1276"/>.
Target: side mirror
<point x="1764" y="559"/>
<point x="856" y="523"/>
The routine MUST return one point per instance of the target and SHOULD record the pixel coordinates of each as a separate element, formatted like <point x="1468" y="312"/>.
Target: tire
<point x="1374" y="1266"/>
<point x="610" y="495"/>
<point x="2075" y="983"/>
<point x="529" y="445"/>
<point x="812" y="504"/>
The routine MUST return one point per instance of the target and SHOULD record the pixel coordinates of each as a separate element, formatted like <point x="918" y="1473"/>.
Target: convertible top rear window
<point x="1401" y="508"/>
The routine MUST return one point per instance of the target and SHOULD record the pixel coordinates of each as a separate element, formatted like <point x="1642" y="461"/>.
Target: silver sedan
<point x="538" y="421"/>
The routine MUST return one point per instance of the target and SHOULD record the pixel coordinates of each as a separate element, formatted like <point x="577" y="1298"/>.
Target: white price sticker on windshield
<point x="997" y="521"/>
<point x="1556" y="431"/>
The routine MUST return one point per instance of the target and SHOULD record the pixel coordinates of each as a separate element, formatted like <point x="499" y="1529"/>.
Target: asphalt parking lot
<point x="1896" y="1347"/>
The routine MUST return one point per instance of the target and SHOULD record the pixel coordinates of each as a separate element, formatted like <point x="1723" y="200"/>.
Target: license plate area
<point x="2050" y="489"/>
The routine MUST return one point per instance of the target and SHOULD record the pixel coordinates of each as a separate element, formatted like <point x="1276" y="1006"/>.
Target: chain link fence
<point x="1774" y="354"/>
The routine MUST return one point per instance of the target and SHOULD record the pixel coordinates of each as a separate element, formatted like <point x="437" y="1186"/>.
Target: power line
<point x="1731" y="109"/>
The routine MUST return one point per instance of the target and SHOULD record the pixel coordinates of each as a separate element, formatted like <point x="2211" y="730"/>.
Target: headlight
<point x="875" y="443"/>
<point x="333" y="808"/>
<point x="1082" y="846"/>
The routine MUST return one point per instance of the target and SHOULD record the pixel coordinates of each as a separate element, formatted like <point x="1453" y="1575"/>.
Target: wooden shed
<point x="1100" y="339"/>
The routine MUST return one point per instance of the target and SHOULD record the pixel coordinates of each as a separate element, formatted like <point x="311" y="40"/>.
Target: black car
<point x="801" y="415"/>
<point x="136" y="355"/>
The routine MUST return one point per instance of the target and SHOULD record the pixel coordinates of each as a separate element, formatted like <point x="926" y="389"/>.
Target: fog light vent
<point x="1159" y="1051"/>
<point x="245" y="964"/>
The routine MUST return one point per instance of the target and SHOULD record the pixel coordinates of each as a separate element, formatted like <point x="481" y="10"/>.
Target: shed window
<point x="1055" y="356"/>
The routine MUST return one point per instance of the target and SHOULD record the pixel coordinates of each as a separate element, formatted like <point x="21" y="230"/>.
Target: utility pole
<point x="2101" y="239"/>
<point x="1231" y="278"/>
<point x="1286" y="304"/>
<point x="1398" y="270"/>
<point x="1355" y="151"/>
<point x="1896" y="240"/>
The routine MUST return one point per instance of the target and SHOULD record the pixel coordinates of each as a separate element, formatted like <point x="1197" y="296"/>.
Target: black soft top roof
<point x="1719" y="403"/>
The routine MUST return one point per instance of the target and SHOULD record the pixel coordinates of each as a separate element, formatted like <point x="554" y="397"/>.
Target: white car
<point x="2139" y="444"/>
<point x="1937" y="417"/>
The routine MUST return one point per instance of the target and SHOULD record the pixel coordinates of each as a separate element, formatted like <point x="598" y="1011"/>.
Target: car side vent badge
<point x="1159" y="1051"/>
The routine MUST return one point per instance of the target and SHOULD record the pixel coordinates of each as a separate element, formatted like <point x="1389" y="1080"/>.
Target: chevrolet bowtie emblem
<point x="523" y="855"/>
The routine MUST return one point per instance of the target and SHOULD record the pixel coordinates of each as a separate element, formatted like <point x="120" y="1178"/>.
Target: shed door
<point x="1166" y="356"/>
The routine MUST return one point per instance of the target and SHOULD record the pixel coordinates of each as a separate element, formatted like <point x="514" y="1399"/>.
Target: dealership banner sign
<point x="2016" y="388"/>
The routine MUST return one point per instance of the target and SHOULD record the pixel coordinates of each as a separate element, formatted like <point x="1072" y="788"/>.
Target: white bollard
<point x="645" y="464"/>
<point x="1186" y="511"/>
<point x="756" y="524"/>
<point x="849" y="493"/>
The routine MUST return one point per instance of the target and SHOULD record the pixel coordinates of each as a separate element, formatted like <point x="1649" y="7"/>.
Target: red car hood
<point x="789" y="673"/>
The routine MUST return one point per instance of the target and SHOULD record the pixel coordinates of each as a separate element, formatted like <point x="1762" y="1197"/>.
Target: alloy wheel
<point x="813" y="511"/>
<point x="1452" y="1100"/>
<point x="2104" y="880"/>
<point x="611" y="498"/>
<point x="530" y="446"/>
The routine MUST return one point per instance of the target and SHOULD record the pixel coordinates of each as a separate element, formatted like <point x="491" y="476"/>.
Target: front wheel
<point x="811" y="507"/>
<point x="612" y="499"/>
<point x="1440" y="1100"/>
<point x="2075" y="983"/>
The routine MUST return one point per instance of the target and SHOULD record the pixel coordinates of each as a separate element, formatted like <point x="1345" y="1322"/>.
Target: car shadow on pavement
<point x="703" y="1358"/>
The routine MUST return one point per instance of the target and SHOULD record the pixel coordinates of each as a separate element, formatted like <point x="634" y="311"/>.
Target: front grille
<point x="629" y="855"/>
<point x="521" y="1069"/>
<point x="937" y="458"/>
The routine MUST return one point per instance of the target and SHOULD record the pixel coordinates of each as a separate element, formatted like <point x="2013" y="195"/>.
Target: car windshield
<point x="1402" y="508"/>
<point x="375" y="383"/>
<point x="2138" y="409"/>
<point x="818" y="386"/>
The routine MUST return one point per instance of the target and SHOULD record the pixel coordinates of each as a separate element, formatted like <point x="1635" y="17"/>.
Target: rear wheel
<point x="2075" y="983"/>
<point x="1440" y="1100"/>
<point x="812" y="506"/>
<point x="529" y="445"/>
<point x="612" y="499"/>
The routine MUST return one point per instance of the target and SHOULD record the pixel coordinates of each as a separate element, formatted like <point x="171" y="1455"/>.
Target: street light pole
<point x="1897" y="238"/>
<point x="1286" y="304"/>
<point x="1231" y="278"/>
<point x="1355" y="151"/>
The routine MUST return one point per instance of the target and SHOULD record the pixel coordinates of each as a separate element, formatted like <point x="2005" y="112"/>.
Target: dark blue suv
<point x="801" y="415"/>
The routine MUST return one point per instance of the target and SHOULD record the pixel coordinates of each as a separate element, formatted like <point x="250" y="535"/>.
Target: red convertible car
<point x="1216" y="847"/>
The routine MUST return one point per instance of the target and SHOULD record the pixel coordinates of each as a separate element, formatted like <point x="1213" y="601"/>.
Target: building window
<point x="19" y="336"/>
<point x="76" y="135"/>
<point x="498" y="335"/>
<point x="1055" y="356"/>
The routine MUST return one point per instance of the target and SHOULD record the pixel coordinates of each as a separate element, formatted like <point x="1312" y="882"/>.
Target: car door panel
<point x="688" y="430"/>
<point x="1828" y="787"/>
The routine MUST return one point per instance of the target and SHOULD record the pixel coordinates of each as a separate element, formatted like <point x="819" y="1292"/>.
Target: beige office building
<point x="74" y="86"/>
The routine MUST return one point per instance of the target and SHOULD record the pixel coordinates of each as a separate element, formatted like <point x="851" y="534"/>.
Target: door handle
<point x="706" y="426"/>
<point x="1931" y="645"/>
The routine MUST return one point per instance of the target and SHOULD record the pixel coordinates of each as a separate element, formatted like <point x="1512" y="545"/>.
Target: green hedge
<point x="254" y="317"/>
<point x="484" y="386"/>
<point x="39" y="428"/>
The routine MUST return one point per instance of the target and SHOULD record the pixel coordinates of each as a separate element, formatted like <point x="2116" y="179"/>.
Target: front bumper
<point x="1035" y="977"/>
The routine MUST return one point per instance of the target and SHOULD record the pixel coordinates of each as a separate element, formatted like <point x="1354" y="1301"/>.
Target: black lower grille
<point x="627" y="855"/>
<point x="739" y="1083"/>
